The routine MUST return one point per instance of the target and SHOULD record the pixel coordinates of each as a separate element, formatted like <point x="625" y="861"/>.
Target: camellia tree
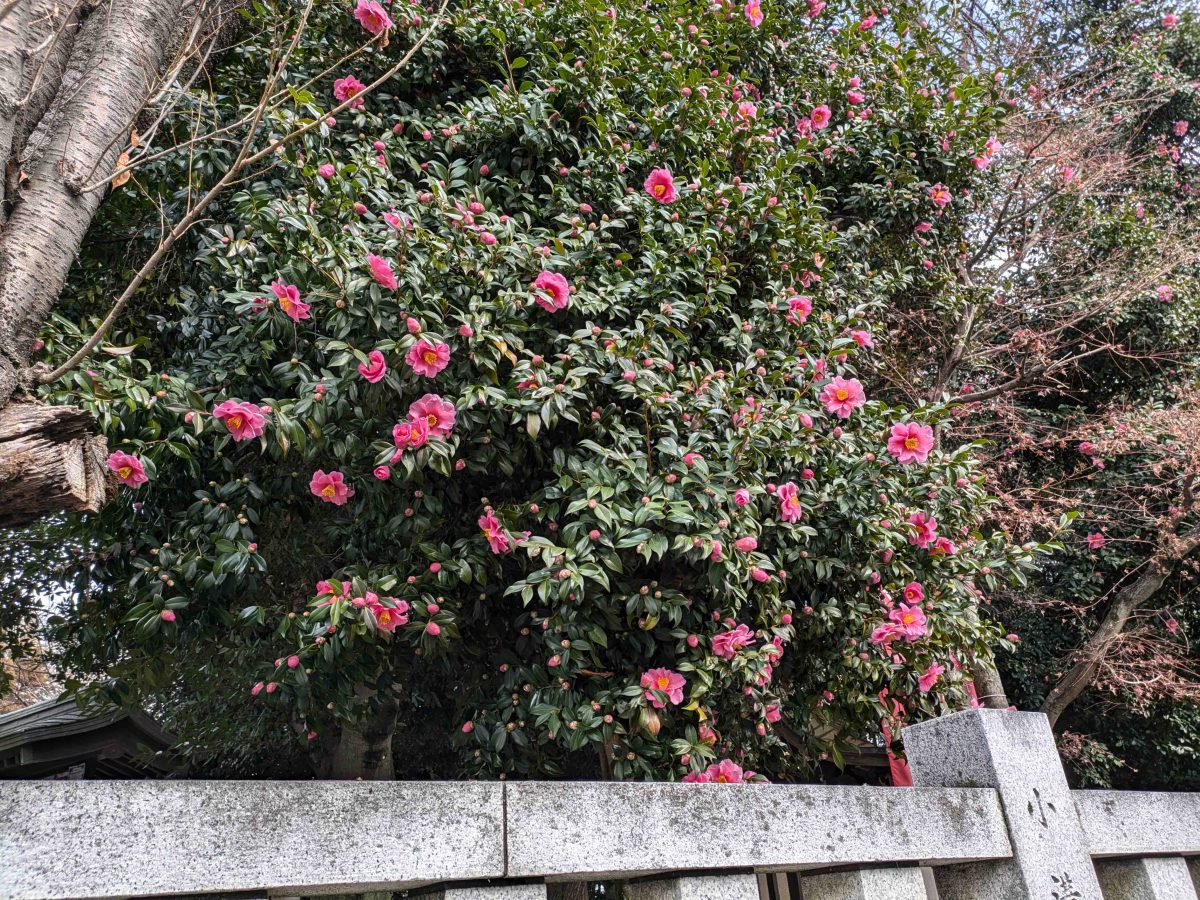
<point x="528" y="396"/>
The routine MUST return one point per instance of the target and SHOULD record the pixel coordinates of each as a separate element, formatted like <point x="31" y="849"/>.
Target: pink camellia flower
<point x="660" y="185"/>
<point x="1096" y="540"/>
<point x="468" y="727"/>
<point x="433" y="629"/>
<point x="372" y="17"/>
<point x="925" y="530"/>
<point x="820" y="117"/>
<point x="244" y="420"/>
<point x="727" y="643"/>
<point x="799" y="309"/>
<point x="939" y="196"/>
<point x="753" y="11"/>
<point x="381" y="271"/>
<point x="427" y="358"/>
<point x="289" y="300"/>
<point x="930" y="678"/>
<point x="741" y="496"/>
<point x="727" y="772"/>
<point x="167" y="615"/>
<point x="910" y="620"/>
<point x="913" y="592"/>
<point x="910" y="442"/>
<point x="551" y="291"/>
<point x="773" y="713"/>
<point x="438" y="414"/>
<point x="349" y="88"/>
<point x="664" y="681"/>
<point x="129" y="469"/>
<point x="335" y="589"/>
<point x="389" y="618"/>
<point x="789" y="503"/>
<point x="411" y="434"/>
<point x="862" y="338"/>
<point x="746" y="111"/>
<point x="375" y="368"/>
<point x="1164" y="293"/>
<point x="760" y="575"/>
<point x="746" y="544"/>
<point x="690" y="458"/>
<point x="868" y="22"/>
<point x="497" y="538"/>
<point x="842" y="396"/>
<point x="383" y="473"/>
<point x="326" y="170"/>
<point x="1170" y="20"/>
<point x="330" y="487"/>
<point x="943" y="546"/>
<point x="1181" y="127"/>
<point x="855" y="97"/>
<point x="717" y="550"/>
<point x="884" y="634"/>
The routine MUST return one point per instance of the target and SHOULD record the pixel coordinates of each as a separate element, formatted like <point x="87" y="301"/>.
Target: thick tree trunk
<point x="50" y="460"/>
<point x="364" y="752"/>
<point x="117" y="56"/>
<point x="989" y="689"/>
<point x="73" y="78"/>
<point x="1129" y="599"/>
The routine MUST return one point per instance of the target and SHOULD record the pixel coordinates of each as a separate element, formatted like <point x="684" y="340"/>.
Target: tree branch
<point x="1132" y="596"/>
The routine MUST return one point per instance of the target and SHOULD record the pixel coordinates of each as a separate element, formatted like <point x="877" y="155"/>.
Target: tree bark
<point x="50" y="460"/>
<point x="74" y="74"/>
<point x="115" y="62"/>
<point x="1130" y="598"/>
<point x="989" y="689"/>
<point x="364" y="752"/>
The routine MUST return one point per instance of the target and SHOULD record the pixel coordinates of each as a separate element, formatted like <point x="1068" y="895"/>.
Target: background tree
<point x="1066" y="327"/>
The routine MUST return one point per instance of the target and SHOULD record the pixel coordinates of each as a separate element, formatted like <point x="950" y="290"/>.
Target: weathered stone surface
<point x="121" y="838"/>
<point x="568" y="890"/>
<point x="866" y="884"/>
<point x="1156" y="878"/>
<point x="596" y="829"/>
<point x="491" y="892"/>
<point x="699" y="887"/>
<point x="1139" y="823"/>
<point x="1015" y="753"/>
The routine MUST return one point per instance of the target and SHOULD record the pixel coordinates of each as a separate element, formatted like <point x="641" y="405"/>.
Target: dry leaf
<point x="121" y="177"/>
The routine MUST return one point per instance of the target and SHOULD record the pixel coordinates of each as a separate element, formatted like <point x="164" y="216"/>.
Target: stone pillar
<point x="699" y="887"/>
<point x="1014" y="753"/>
<point x="1153" y="878"/>
<point x="866" y="884"/>
<point x="491" y="892"/>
